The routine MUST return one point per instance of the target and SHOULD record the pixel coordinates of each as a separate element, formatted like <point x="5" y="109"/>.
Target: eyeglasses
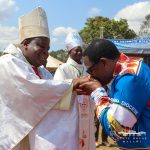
<point x="91" y="69"/>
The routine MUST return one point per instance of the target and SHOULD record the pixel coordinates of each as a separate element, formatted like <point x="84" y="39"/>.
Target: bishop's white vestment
<point x="26" y="102"/>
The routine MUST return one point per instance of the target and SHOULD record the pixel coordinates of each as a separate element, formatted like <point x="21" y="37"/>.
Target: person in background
<point x="27" y="94"/>
<point x="80" y="118"/>
<point x="125" y="113"/>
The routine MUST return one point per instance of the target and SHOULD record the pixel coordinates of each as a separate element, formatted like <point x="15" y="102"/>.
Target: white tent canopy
<point x="52" y="63"/>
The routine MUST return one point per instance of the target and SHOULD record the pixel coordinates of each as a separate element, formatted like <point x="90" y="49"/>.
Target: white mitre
<point x="33" y="24"/>
<point x="73" y="40"/>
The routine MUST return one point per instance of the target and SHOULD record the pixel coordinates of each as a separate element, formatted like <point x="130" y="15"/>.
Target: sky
<point x="65" y="16"/>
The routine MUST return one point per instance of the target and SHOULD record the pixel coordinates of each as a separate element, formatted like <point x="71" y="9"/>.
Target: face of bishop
<point x="36" y="50"/>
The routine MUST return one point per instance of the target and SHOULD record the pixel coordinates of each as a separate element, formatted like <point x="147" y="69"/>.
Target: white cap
<point x="33" y="24"/>
<point x="73" y="40"/>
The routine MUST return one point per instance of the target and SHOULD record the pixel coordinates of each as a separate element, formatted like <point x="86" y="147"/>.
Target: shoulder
<point x="130" y="83"/>
<point x="64" y="66"/>
<point x="9" y="60"/>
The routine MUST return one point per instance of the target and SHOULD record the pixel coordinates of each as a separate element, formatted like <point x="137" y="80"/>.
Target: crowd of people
<point x="39" y="112"/>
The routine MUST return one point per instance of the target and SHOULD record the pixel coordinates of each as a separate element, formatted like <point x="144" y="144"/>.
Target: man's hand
<point x="78" y="81"/>
<point x="89" y="87"/>
<point x="85" y="85"/>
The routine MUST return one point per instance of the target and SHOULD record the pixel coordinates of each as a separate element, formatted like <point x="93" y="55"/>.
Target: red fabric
<point x="127" y="64"/>
<point x="37" y="72"/>
<point x="148" y="103"/>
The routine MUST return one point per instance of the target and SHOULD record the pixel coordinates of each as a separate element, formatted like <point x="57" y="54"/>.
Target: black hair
<point x="101" y="48"/>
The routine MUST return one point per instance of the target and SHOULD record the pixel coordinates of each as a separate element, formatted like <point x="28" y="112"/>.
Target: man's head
<point x="35" y="50"/>
<point x="34" y="36"/>
<point x="76" y="54"/>
<point x="73" y="44"/>
<point x="100" y="58"/>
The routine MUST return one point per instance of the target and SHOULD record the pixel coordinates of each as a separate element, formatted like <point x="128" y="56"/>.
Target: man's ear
<point x="103" y="61"/>
<point x="106" y="63"/>
<point x="25" y="43"/>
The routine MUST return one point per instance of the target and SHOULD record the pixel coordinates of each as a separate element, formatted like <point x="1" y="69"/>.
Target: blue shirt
<point x="130" y="99"/>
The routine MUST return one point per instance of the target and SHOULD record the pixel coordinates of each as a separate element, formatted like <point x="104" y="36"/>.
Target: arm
<point x="24" y="81"/>
<point x="120" y="112"/>
<point x="59" y="74"/>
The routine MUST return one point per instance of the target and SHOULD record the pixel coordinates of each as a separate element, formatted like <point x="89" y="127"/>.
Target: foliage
<point x="60" y="55"/>
<point x="112" y="29"/>
<point x="145" y="28"/>
<point x="1" y="53"/>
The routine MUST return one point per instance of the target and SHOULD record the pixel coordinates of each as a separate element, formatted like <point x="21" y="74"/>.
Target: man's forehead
<point x="41" y="39"/>
<point x="87" y="62"/>
<point x="77" y="48"/>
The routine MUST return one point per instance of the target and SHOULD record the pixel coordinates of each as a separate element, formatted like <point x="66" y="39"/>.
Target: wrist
<point x="97" y="94"/>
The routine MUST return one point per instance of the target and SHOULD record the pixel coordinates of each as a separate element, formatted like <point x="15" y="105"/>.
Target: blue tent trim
<point x="137" y="46"/>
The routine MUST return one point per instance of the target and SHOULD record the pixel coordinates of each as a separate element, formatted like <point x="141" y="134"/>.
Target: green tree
<point x="145" y="28"/>
<point x="111" y="29"/>
<point x="1" y="53"/>
<point x="59" y="54"/>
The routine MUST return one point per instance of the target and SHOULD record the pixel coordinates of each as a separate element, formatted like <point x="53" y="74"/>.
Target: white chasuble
<point x="25" y="100"/>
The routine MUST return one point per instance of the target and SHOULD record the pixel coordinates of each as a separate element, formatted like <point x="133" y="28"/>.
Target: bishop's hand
<point x="78" y="81"/>
<point x="89" y="87"/>
<point x="86" y="85"/>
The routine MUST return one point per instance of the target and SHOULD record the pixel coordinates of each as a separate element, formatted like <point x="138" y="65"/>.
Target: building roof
<point x="52" y="63"/>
